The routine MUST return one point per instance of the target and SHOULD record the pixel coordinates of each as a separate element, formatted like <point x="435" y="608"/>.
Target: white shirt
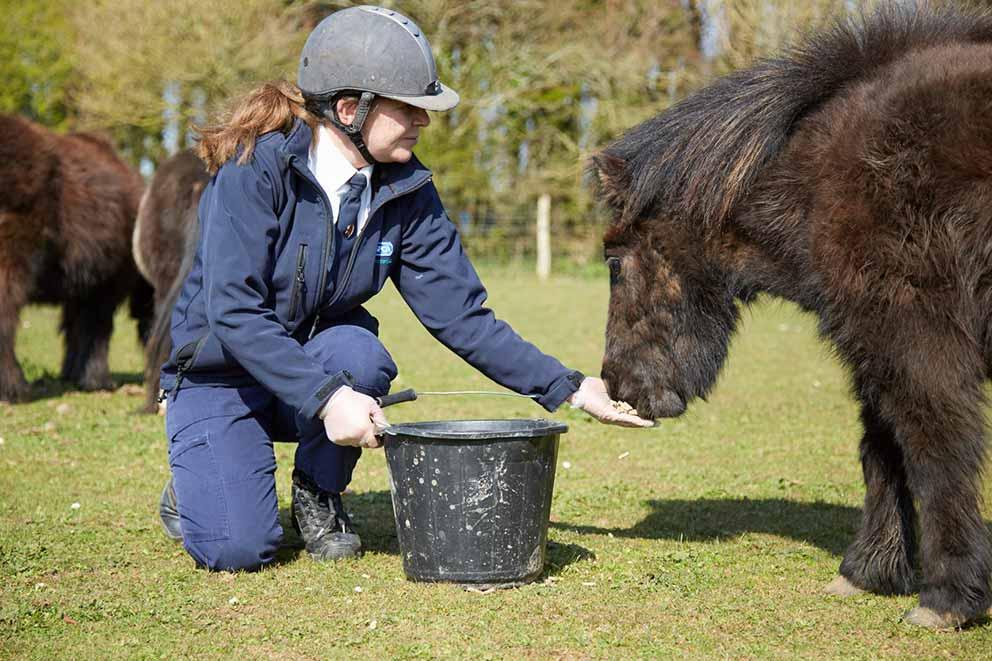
<point x="332" y="170"/>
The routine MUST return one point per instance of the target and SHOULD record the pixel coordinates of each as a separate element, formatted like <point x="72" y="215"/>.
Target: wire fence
<point x="512" y="238"/>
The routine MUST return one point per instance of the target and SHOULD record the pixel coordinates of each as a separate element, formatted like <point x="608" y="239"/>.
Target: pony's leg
<point x="13" y="296"/>
<point x="15" y="280"/>
<point x="943" y="441"/>
<point x="882" y="557"/>
<point x="142" y="307"/>
<point x="87" y="329"/>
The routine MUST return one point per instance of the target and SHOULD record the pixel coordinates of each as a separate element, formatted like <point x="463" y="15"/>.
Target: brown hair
<point x="273" y="106"/>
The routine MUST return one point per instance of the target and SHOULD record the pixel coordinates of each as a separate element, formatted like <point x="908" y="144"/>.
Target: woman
<point x="317" y="200"/>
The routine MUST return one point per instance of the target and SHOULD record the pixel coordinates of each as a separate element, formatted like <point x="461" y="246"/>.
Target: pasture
<point x="709" y="536"/>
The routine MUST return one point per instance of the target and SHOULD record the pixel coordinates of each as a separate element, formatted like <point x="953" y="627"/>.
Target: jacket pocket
<point x="299" y="283"/>
<point x="186" y="359"/>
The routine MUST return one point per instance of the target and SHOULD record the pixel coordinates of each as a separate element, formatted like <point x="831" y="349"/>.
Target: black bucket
<point x="472" y="498"/>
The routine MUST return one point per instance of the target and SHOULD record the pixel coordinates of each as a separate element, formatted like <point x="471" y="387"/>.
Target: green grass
<point x="710" y="536"/>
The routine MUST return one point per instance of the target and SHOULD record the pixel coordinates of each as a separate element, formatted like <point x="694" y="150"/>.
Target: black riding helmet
<point x="367" y="52"/>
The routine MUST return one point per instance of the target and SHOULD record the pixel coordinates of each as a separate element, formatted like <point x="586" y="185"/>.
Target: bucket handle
<point x="407" y="395"/>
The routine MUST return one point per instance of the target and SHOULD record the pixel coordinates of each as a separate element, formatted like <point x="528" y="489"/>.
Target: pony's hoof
<point x="17" y="391"/>
<point x="841" y="587"/>
<point x="931" y="619"/>
<point x="97" y="383"/>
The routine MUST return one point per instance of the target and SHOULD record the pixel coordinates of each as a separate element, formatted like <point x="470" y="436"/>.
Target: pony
<point x="851" y="175"/>
<point x="66" y="218"/>
<point x="163" y="244"/>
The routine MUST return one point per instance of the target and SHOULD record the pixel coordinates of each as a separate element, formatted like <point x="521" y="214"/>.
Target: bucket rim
<point x="428" y="430"/>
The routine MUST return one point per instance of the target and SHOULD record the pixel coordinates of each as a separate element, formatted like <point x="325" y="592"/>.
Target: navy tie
<point x="351" y="202"/>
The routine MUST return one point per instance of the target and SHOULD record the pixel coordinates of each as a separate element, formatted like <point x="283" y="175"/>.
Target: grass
<point x="710" y="536"/>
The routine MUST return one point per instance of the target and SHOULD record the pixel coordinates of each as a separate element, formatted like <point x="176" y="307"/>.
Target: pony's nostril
<point x="669" y="405"/>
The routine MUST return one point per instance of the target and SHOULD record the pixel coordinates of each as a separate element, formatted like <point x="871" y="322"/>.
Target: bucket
<point x="472" y="498"/>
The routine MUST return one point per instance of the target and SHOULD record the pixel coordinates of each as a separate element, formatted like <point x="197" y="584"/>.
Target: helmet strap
<point x="353" y="130"/>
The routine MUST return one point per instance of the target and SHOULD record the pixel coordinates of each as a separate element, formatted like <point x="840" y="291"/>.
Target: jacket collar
<point x="395" y="178"/>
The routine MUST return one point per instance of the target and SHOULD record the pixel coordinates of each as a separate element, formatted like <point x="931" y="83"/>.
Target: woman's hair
<point x="273" y="106"/>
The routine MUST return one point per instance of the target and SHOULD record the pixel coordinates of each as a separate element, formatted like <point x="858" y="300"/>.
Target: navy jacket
<point x="278" y="270"/>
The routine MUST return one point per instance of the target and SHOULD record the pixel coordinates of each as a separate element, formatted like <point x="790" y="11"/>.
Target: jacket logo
<point x="384" y="252"/>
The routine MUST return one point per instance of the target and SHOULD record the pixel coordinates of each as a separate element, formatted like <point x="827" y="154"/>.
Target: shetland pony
<point x="165" y="234"/>
<point x="853" y="176"/>
<point x="66" y="217"/>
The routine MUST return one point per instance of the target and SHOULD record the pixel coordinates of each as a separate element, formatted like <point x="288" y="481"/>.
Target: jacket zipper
<point x="299" y="283"/>
<point x="340" y="287"/>
<point x="328" y="236"/>
<point x="185" y="359"/>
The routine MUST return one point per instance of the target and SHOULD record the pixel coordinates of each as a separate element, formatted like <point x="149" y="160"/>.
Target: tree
<point x="542" y="86"/>
<point x="149" y="70"/>
<point x="36" y="62"/>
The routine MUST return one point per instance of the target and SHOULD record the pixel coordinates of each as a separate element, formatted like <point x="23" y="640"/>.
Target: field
<point x="709" y="536"/>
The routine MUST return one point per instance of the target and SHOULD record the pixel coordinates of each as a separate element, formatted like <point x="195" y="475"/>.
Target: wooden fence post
<point x="544" y="236"/>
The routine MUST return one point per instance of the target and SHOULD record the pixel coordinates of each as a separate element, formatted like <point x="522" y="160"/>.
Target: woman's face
<point x="392" y="128"/>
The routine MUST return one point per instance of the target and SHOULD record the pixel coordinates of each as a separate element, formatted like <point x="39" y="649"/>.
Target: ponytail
<point x="273" y="106"/>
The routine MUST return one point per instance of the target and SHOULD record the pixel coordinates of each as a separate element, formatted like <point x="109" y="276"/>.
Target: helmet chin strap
<point x="354" y="130"/>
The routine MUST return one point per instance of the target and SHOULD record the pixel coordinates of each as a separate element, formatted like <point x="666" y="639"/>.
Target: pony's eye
<point x="614" y="264"/>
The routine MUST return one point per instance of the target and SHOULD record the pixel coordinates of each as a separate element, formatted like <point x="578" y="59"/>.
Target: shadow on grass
<point x="372" y="514"/>
<point x="825" y="525"/>
<point x="51" y="387"/>
<point x="562" y="555"/>
<point x="291" y="547"/>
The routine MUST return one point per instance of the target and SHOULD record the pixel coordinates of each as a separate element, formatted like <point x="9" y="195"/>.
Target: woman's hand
<point x="592" y="398"/>
<point x="351" y="418"/>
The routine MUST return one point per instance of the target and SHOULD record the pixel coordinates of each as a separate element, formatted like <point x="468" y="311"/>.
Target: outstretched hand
<point x="351" y="418"/>
<point x="592" y="398"/>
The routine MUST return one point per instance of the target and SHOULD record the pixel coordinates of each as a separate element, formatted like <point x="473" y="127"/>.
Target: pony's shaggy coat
<point x="164" y="236"/>
<point x="66" y="216"/>
<point x="853" y="175"/>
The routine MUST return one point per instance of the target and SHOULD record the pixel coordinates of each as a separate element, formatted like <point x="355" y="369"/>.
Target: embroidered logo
<point x="384" y="252"/>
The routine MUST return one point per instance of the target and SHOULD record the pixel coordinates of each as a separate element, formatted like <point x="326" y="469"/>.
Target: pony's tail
<point x="141" y="302"/>
<point x="159" y="344"/>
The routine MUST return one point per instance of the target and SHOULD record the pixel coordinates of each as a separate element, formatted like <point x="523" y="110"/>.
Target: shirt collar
<point x="391" y="176"/>
<point x="329" y="164"/>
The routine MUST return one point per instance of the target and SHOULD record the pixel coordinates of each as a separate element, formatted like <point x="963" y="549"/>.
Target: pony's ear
<point x="613" y="179"/>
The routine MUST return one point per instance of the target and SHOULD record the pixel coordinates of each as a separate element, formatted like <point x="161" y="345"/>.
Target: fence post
<point x="544" y="236"/>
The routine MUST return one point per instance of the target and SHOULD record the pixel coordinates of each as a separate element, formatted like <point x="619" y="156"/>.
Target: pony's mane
<point x="698" y="159"/>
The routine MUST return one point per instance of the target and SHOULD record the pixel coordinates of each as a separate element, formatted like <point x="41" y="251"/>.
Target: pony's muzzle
<point x="668" y="404"/>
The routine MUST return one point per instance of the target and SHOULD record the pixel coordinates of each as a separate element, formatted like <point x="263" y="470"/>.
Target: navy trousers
<point x="222" y="460"/>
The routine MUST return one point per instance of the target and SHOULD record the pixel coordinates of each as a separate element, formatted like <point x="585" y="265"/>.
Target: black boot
<point x="168" y="512"/>
<point x="321" y="521"/>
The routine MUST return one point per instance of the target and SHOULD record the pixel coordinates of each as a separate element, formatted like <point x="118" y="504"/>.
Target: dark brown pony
<point x="165" y="235"/>
<point x="852" y="175"/>
<point x="66" y="216"/>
